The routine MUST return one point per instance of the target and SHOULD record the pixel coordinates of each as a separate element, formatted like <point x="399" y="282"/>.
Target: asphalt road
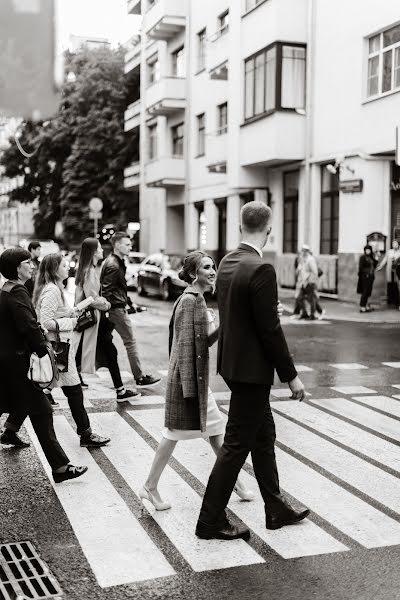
<point x="338" y="453"/>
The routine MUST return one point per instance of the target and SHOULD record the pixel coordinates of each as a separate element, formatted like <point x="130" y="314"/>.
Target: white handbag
<point x="43" y="371"/>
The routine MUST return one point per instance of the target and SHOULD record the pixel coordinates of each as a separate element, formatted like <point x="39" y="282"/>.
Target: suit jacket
<point x="186" y="395"/>
<point x="251" y="343"/>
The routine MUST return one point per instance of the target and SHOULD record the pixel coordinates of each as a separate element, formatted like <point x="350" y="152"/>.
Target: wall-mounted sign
<point x="349" y="186"/>
<point x="377" y="240"/>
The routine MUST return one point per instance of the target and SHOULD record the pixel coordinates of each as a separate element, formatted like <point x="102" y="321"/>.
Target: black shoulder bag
<point x="61" y="351"/>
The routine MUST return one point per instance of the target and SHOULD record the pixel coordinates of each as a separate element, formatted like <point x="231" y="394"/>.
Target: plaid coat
<point x="187" y="383"/>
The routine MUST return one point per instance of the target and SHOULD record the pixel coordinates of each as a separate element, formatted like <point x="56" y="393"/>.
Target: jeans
<point x="74" y="396"/>
<point x="123" y="326"/>
<point x="310" y="291"/>
<point x="250" y="429"/>
<point x="107" y="354"/>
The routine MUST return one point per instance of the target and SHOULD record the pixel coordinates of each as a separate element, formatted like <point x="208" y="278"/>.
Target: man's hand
<point x="280" y="309"/>
<point x="297" y="388"/>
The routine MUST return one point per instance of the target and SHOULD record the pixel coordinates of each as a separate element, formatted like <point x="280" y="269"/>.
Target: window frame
<point x="150" y="62"/>
<point x="293" y="200"/>
<point x="248" y="10"/>
<point x="201" y="44"/>
<point x="333" y="195"/>
<point x="222" y="111"/>
<point x="175" y="139"/>
<point x="174" y="57"/>
<point x="201" y="134"/>
<point x="381" y="53"/>
<point x="152" y="131"/>
<point x="278" y="45"/>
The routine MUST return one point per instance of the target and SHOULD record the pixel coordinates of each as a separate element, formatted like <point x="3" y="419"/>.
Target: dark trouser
<point x="311" y="297"/>
<point x="14" y="421"/>
<point x="250" y="428"/>
<point x="366" y="289"/>
<point x="107" y="354"/>
<point x="124" y="327"/>
<point x="32" y="402"/>
<point x="74" y="396"/>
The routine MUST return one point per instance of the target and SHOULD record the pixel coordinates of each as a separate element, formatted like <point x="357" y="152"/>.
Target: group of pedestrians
<point x="307" y="275"/>
<point x="251" y="347"/>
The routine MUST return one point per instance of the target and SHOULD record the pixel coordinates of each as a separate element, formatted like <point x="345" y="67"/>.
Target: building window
<point x="179" y="63"/>
<point x="275" y="79"/>
<point x="329" y="212"/>
<point x="177" y="139"/>
<point x="252" y="3"/>
<point x="201" y="50"/>
<point x="152" y="133"/>
<point x="222" y="118"/>
<point x="223" y="22"/>
<point x="290" y="211"/>
<point x="383" y="74"/>
<point x="153" y="70"/>
<point x="201" y="135"/>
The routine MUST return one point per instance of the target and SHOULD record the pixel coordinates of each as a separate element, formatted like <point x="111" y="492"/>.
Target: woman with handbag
<point x="190" y="409"/>
<point x="60" y="321"/>
<point x="20" y="336"/>
<point x="92" y="331"/>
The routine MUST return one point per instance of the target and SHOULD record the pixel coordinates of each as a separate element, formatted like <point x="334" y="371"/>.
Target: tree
<point x="81" y="152"/>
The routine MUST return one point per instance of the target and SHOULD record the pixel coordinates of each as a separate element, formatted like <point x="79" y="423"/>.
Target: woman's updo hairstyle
<point x="191" y="265"/>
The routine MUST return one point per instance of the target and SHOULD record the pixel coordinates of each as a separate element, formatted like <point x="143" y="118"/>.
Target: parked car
<point x="133" y="263"/>
<point x="158" y="274"/>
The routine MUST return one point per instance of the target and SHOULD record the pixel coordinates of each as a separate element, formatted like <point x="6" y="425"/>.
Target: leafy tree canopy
<point x="81" y="152"/>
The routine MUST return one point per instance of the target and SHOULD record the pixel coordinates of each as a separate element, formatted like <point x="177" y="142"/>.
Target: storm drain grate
<point x="23" y="574"/>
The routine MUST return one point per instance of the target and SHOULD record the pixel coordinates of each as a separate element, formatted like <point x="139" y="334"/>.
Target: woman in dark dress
<point x="366" y="277"/>
<point x="20" y="336"/>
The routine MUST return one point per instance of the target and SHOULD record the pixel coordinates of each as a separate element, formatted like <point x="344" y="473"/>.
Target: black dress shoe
<point x="226" y="532"/>
<point x="286" y="517"/>
<point x="11" y="438"/>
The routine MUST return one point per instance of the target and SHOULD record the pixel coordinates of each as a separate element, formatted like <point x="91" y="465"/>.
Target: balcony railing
<point x="132" y="176"/>
<point x="167" y="171"/>
<point x="134" y="7"/>
<point x="166" y="96"/>
<point x="217" y="50"/>
<point x="165" y="19"/>
<point x="132" y="56"/>
<point x="217" y="151"/>
<point x="132" y="115"/>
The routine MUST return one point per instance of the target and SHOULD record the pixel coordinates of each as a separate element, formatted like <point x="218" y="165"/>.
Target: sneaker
<point x="321" y="315"/>
<point x="123" y="396"/>
<point x="147" y="381"/>
<point x="93" y="440"/>
<point x="72" y="472"/>
<point x="11" y="438"/>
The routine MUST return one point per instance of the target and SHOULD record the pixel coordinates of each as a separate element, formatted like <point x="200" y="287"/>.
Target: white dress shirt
<point x="253" y="246"/>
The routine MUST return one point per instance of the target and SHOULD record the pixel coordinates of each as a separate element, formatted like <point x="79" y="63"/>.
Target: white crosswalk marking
<point x="362" y="415"/>
<point x="117" y="548"/>
<point x="63" y="402"/>
<point x="348" y="366"/>
<point x="367" y="478"/>
<point x="132" y="457"/>
<point x="353" y="389"/>
<point x="385" y="403"/>
<point x="303" y="369"/>
<point x="394" y="365"/>
<point x="196" y="456"/>
<point x="366" y="443"/>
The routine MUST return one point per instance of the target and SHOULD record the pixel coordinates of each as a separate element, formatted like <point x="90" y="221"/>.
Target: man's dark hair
<point x="118" y="236"/>
<point x="34" y="246"/>
<point x="10" y="260"/>
<point x="255" y="216"/>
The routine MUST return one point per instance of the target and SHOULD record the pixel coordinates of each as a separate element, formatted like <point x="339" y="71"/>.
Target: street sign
<point x="95" y="205"/>
<point x="95" y="215"/>
<point x="349" y="186"/>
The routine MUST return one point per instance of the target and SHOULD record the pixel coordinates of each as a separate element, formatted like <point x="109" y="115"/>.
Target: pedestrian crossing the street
<point x="339" y="456"/>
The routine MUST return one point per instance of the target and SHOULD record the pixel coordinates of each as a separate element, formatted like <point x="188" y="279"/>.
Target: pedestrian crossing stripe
<point x="338" y="456"/>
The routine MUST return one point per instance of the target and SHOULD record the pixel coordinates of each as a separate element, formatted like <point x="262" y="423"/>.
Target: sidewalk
<point x="345" y="311"/>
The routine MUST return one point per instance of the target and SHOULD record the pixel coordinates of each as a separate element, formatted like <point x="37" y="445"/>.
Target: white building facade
<point x="253" y="100"/>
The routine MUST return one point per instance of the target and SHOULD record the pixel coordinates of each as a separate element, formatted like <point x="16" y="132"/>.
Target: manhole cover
<point x="23" y="574"/>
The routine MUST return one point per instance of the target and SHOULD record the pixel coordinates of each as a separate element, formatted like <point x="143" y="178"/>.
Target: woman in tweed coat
<point x="190" y="409"/>
<point x="52" y="310"/>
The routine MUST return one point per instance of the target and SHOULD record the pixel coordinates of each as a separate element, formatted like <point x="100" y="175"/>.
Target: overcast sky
<point x="98" y="18"/>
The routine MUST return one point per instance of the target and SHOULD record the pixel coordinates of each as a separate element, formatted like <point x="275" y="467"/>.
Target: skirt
<point x="215" y="425"/>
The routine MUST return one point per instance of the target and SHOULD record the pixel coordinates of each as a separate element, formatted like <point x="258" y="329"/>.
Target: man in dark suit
<point x="251" y="346"/>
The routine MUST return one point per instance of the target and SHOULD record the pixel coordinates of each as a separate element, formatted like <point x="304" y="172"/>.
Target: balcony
<point x="164" y="172"/>
<point x="132" y="56"/>
<point x="165" y="19"/>
<point x="217" y="53"/>
<point x="217" y="152"/>
<point x="132" y="176"/>
<point x="283" y="135"/>
<point x="166" y="96"/>
<point x="134" y="7"/>
<point x="132" y="116"/>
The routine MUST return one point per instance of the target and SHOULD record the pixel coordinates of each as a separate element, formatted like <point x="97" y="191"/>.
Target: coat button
<point x="199" y="356"/>
<point x="200" y="378"/>
<point x="198" y="335"/>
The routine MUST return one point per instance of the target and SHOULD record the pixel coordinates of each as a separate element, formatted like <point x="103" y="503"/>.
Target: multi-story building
<point x="294" y="102"/>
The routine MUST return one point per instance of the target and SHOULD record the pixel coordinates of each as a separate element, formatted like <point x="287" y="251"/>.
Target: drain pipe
<point x="311" y="18"/>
